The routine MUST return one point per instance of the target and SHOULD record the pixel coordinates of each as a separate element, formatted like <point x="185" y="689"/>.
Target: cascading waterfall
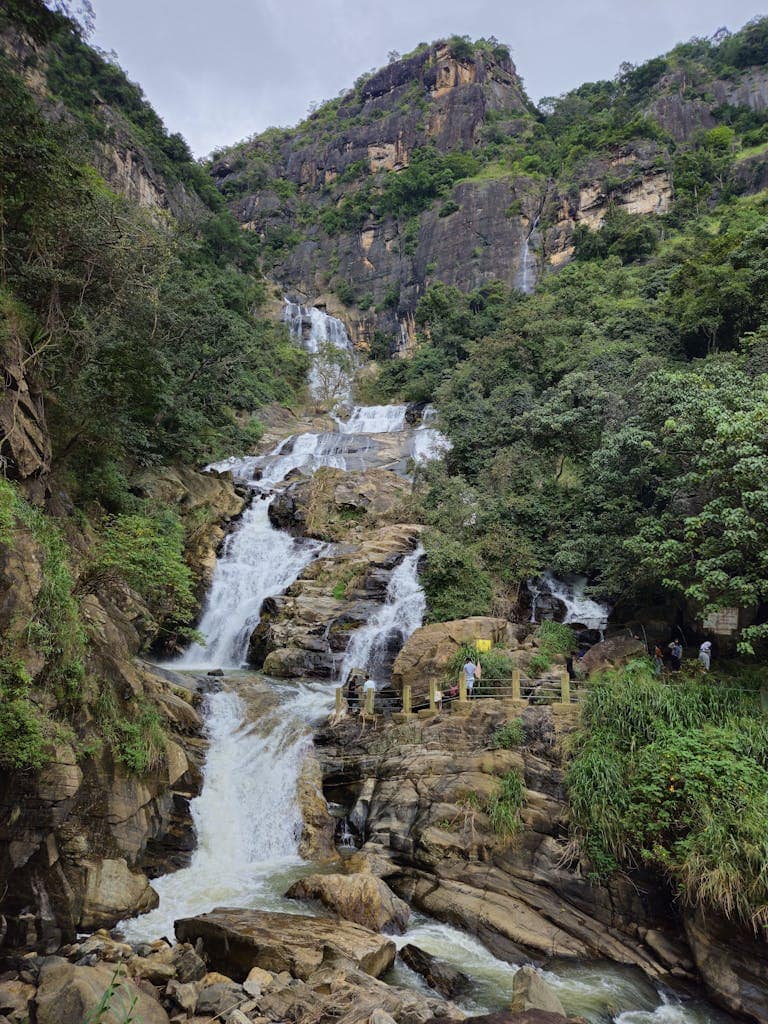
<point x="257" y="562"/>
<point x="247" y="820"/>
<point x="390" y="626"/>
<point x="579" y="608"/>
<point x="374" y="419"/>
<point x="318" y="333"/>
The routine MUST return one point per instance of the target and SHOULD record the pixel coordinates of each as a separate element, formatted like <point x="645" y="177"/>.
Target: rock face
<point x="206" y="502"/>
<point x="235" y="941"/>
<point x="421" y="802"/>
<point x="733" y="964"/>
<point x="427" y="652"/>
<point x="303" y="631"/>
<point x="612" y="653"/>
<point x="363" y="898"/>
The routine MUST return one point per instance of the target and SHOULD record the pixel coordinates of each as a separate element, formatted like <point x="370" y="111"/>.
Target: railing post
<point x="407" y="700"/>
<point x="369" y="698"/>
<point x="515" y="684"/>
<point x="565" y="687"/>
<point x="339" y="699"/>
<point x="462" y="688"/>
<point x="432" y="689"/>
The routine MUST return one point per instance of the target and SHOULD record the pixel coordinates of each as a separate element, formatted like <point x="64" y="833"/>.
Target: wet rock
<point x="70" y="994"/>
<point x="531" y="992"/>
<point x="235" y="941"/>
<point x="445" y="979"/>
<point x="318" y="825"/>
<point x="364" y="899"/>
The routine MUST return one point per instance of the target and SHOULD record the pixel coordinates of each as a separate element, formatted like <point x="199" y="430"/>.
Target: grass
<point x="751" y="151"/>
<point x="675" y="778"/>
<point x="504" y="806"/>
<point x="509" y="736"/>
<point x="137" y="738"/>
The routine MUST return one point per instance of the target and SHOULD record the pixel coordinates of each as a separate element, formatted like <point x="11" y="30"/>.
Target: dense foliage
<point x="676" y="778"/>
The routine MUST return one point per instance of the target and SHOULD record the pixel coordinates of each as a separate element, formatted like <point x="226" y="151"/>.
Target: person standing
<point x="675" y="655"/>
<point x="658" y="660"/>
<point x="470" y="671"/>
<point x="705" y="654"/>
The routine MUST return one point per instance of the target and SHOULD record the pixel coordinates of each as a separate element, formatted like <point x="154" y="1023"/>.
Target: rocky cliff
<point x="313" y="194"/>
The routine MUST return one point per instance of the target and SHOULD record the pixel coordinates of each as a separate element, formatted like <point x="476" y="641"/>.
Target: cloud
<point x="218" y="72"/>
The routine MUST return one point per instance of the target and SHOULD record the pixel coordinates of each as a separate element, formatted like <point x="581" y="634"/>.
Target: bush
<point x="539" y="664"/>
<point x="449" y="207"/>
<point x="509" y="736"/>
<point x="22" y="743"/>
<point x="455" y="584"/>
<point x="504" y="806"/>
<point x="676" y="778"/>
<point x="137" y="738"/>
<point x="555" y="638"/>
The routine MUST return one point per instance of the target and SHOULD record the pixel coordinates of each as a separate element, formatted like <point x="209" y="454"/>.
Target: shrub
<point x="137" y="738"/>
<point x="538" y="664"/>
<point x="555" y="638"/>
<point x="509" y="736"/>
<point x="449" y="207"/>
<point x="504" y="806"/>
<point x="455" y="584"/>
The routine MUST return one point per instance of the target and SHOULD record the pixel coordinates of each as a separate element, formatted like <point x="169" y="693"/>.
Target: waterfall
<point x="390" y="626"/>
<point x="527" y="275"/>
<point x="257" y="561"/>
<point x="579" y="608"/>
<point x="319" y="334"/>
<point x="247" y="820"/>
<point x="374" y="419"/>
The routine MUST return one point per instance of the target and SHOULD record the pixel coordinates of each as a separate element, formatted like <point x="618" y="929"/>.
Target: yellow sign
<point x="482" y="645"/>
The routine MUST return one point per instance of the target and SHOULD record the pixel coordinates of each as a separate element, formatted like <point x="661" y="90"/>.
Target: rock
<point x="257" y="982"/>
<point x="612" y="653"/>
<point x="112" y="892"/>
<point x="15" y="999"/>
<point x="364" y="899"/>
<point x="235" y="941"/>
<point x="70" y="994"/>
<point x="531" y="992"/>
<point x="218" y="672"/>
<point x="189" y="966"/>
<point x="381" y="1017"/>
<point x="733" y="964"/>
<point x="151" y="970"/>
<point x="318" y="825"/>
<point x="216" y="1000"/>
<point x="184" y="995"/>
<point x="427" y="652"/>
<point x="445" y="979"/>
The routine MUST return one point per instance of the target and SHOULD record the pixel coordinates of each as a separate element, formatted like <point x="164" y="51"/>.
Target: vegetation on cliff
<point x="676" y="778"/>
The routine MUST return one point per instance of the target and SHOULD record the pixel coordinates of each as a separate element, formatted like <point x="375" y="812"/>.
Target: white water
<point x="319" y="333"/>
<point x="374" y="419"/>
<point x="579" y="608"/>
<point x="528" y="267"/>
<point x="247" y="820"/>
<point x="257" y="562"/>
<point x="401" y="614"/>
<point x="599" y="992"/>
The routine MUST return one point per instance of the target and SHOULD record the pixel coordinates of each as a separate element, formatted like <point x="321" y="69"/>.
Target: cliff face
<point x="310" y="193"/>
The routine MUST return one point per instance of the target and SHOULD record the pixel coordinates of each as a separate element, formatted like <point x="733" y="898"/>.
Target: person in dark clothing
<point x="353" y="697"/>
<point x="675" y="655"/>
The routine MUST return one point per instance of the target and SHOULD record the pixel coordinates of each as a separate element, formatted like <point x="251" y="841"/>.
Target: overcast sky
<point x="220" y="70"/>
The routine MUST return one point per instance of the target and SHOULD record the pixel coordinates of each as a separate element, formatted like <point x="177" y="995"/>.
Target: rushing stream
<point x="247" y="818"/>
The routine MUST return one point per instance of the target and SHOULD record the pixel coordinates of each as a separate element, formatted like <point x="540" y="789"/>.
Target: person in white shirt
<point x="705" y="655"/>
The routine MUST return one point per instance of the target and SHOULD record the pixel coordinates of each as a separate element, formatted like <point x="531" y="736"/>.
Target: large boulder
<point x="69" y="995"/>
<point x="445" y="979"/>
<point x="612" y="653"/>
<point x="427" y="652"/>
<point x="113" y="890"/>
<point x="235" y="941"/>
<point x="531" y="992"/>
<point x="364" y="899"/>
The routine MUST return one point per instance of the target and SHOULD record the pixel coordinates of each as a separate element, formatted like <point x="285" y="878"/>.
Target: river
<point x="247" y="818"/>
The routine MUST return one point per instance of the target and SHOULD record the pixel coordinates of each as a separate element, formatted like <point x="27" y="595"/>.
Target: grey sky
<point x="220" y="71"/>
